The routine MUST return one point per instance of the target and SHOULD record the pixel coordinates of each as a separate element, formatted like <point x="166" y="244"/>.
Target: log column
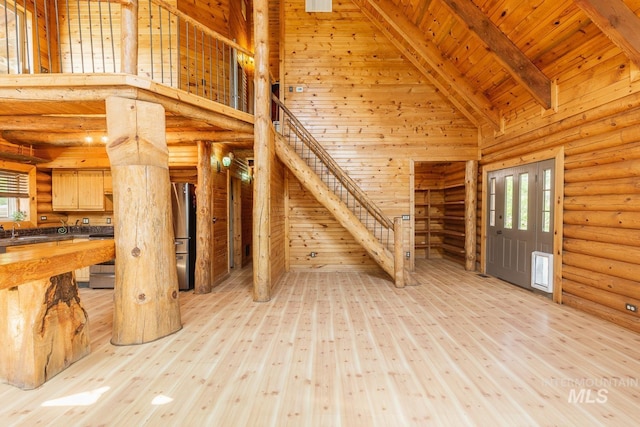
<point x="203" y="283"/>
<point x="398" y="255"/>
<point x="146" y="288"/>
<point x="263" y="151"/>
<point x="129" y="44"/>
<point x="470" y="214"/>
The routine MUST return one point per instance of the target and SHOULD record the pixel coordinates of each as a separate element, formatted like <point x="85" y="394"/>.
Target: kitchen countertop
<point x="32" y="264"/>
<point x="37" y="238"/>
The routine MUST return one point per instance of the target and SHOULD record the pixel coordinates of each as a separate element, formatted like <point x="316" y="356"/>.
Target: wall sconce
<point x="226" y="161"/>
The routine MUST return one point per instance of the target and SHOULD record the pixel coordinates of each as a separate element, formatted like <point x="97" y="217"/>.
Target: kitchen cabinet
<point x="78" y="190"/>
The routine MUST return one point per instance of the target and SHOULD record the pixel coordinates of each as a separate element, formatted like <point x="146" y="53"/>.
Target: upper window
<point x="15" y="39"/>
<point x="14" y="195"/>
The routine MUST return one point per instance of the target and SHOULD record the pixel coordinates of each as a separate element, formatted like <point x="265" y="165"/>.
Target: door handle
<point x="499" y="232"/>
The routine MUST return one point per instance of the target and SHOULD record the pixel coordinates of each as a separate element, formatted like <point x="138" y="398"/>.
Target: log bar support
<point x="146" y="303"/>
<point x="43" y="326"/>
<point x="202" y="278"/>
<point x="470" y="218"/>
<point x="263" y="152"/>
<point x="45" y="331"/>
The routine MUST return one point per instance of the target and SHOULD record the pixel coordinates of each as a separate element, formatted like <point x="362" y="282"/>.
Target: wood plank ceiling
<point x="487" y="57"/>
<point x="492" y="55"/>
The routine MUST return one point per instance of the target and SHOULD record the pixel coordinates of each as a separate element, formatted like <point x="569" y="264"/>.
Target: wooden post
<point x="146" y="289"/>
<point x="398" y="249"/>
<point x="263" y="148"/>
<point x="129" y="37"/>
<point x="203" y="283"/>
<point x="470" y="214"/>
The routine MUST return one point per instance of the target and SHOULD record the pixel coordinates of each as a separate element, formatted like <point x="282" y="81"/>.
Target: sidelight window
<point x="546" y="200"/>
<point x="492" y="202"/>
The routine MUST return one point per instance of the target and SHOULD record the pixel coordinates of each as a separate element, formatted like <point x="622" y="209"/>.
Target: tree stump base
<point x="43" y="330"/>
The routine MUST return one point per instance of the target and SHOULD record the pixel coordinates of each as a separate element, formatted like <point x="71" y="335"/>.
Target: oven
<point x="103" y="275"/>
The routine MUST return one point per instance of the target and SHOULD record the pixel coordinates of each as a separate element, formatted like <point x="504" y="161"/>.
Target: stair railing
<point x="338" y="181"/>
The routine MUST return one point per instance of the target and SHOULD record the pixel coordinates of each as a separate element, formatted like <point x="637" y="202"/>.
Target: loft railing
<point x="341" y="184"/>
<point x="84" y="36"/>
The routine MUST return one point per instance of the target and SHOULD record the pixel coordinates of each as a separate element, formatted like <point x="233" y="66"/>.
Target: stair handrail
<point x="350" y="185"/>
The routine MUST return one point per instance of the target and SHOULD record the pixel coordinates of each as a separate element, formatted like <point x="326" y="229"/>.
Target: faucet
<point x="13" y="230"/>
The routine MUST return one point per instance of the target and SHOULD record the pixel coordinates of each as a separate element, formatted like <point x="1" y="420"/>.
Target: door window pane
<point x="523" y="214"/>
<point x="492" y="202"/>
<point x="546" y="200"/>
<point x="508" y="201"/>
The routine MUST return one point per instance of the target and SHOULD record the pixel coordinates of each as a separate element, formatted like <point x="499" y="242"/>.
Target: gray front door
<point x="519" y="220"/>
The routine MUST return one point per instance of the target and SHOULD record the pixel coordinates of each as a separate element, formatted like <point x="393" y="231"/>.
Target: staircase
<point x="337" y="192"/>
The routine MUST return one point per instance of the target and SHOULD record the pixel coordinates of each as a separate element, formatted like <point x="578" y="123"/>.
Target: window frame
<point x="31" y="221"/>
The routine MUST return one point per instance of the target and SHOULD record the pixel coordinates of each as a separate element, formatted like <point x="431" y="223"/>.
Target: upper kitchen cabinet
<point x="78" y="190"/>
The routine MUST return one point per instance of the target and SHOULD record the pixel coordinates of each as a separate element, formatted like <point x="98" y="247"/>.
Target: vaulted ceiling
<point x="491" y="56"/>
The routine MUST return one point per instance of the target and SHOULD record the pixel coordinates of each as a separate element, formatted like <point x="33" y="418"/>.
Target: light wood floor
<point x="348" y="349"/>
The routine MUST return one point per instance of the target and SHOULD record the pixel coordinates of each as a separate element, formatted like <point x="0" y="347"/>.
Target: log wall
<point x="596" y="124"/>
<point x="374" y="113"/>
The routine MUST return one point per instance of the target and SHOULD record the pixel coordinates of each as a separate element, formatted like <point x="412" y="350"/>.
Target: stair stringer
<point x="308" y="178"/>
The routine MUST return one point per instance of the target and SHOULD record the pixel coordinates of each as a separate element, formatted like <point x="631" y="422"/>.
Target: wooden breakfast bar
<point x="43" y="326"/>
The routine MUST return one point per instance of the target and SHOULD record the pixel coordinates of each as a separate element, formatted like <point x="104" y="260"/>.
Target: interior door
<point x="519" y="220"/>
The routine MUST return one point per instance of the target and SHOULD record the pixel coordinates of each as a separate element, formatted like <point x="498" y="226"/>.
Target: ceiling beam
<point x="79" y="138"/>
<point x="512" y="59"/>
<point x="616" y="21"/>
<point x="428" y="52"/>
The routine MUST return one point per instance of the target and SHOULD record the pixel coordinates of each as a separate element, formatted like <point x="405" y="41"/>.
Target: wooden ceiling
<point x="491" y="56"/>
<point x="488" y="58"/>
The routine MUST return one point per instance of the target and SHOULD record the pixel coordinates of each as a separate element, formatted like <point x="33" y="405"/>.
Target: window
<point x="546" y="201"/>
<point x="14" y="194"/>
<point x="524" y="202"/>
<point x="492" y="202"/>
<point x="15" y="39"/>
<point x="508" y="201"/>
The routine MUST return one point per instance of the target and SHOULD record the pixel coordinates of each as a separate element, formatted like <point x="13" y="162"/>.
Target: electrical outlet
<point x="631" y="307"/>
<point x="313" y="254"/>
<point x="108" y="220"/>
<point x="43" y="217"/>
<point x="408" y="254"/>
<point x="406" y="217"/>
<point x="85" y="220"/>
<point x="299" y="89"/>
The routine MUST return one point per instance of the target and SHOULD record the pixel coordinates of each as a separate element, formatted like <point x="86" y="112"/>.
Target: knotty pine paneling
<point x="214" y="14"/>
<point x="372" y="111"/>
<point x="313" y="229"/>
<point x="220" y="230"/>
<point x="277" y="221"/>
<point x="596" y="124"/>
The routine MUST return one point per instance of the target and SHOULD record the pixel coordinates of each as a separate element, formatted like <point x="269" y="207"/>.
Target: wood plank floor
<point x="349" y="349"/>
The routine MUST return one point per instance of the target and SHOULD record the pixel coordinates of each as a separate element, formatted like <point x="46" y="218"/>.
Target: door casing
<point x="556" y="153"/>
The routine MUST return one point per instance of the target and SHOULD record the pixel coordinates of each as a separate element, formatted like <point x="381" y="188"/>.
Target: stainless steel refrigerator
<point x="183" y="203"/>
